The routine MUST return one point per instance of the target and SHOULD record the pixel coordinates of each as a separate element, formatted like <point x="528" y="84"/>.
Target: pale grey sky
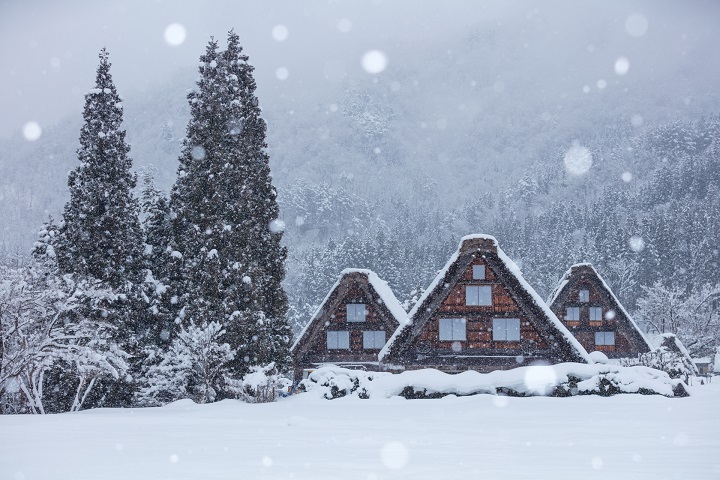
<point x="48" y="49"/>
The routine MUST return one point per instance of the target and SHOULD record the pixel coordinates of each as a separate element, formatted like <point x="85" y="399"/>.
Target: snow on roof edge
<point x="411" y="314"/>
<point x="381" y="287"/>
<point x="566" y="278"/>
<point x="622" y="308"/>
<point x="515" y="270"/>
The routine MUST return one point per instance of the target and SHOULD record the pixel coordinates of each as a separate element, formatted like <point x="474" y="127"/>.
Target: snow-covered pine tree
<point x="100" y="240"/>
<point x="101" y="235"/>
<point x="161" y="268"/>
<point x="226" y="215"/>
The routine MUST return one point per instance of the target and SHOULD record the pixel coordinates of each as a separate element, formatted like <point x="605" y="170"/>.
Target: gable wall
<point x="479" y="318"/>
<point x="626" y="345"/>
<point x="353" y="288"/>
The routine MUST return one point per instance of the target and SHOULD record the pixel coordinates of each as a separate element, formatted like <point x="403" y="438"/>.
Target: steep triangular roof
<point x="574" y="274"/>
<point x="512" y="279"/>
<point x="388" y="304"/>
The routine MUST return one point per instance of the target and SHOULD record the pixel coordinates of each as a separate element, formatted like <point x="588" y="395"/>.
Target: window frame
<point x="480" y="288"/>
<point x="476" y="268"/>
<point x="595" y="309"/>
<point x="583" y="298"/>
<point x="453" y="328"/>
<point x="354" y="307"/>
<point x="567" y="314"/>
<point x="501" y="325"/>
<point x="337" y="334"/>
<point x="375" y="337"/>
<point x="604" y="335"/>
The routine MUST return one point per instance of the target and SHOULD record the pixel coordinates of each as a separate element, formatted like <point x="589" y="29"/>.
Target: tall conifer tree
<point x="101" y="235"/>
<point x="225" y="214"/>
<point x="100" y="240"/>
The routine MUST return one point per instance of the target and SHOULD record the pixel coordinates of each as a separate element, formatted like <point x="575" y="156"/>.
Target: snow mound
<point x="599" y="357"/>
<point x="562" y="380"/>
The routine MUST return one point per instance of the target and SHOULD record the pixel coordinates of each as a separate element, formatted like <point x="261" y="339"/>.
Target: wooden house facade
<point x="594" y="315"/>
<point x="351" y="325"/>
<point x="480" y="314"/>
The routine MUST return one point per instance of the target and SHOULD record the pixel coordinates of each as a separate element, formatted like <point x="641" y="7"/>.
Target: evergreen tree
<point x="100" y="241"/>
<point x="101" y="234"/>
<point x="225" y="213"/>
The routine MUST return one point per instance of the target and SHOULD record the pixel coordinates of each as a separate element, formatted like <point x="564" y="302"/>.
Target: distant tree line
<point x="652" y="234"/>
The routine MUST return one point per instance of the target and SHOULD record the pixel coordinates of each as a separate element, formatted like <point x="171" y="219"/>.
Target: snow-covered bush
<point x="261" y="384"/>
<point x="50" y="324"/>
<point x="670" y="357"/>
<point x="194" y="366"/>
<point x="562" y="380"/>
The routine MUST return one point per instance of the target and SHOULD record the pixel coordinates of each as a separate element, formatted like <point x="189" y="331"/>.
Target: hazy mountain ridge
<point x="458" y="136"/>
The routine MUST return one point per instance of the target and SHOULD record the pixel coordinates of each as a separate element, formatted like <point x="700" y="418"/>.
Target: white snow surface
<point x="566" y="279"/>
<point x="381" y="287"/>
<point x="515" y="270"/>
<point x="633" y="437"/>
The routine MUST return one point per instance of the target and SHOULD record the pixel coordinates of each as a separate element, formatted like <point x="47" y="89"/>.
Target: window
<point x="478" y="272"/>
<point x="452" y="329"/>
<point x="605" y="338"/>
<point x="595" y="316"/>
<point x="572" y="314"/>
<point x="373" y="340"/>
<point x="355" y="312"/>
<point x="338" y="340"/>
<point x="506" y="329"/>
<point x="478" y="295"/>
<point x="584" y="295"/>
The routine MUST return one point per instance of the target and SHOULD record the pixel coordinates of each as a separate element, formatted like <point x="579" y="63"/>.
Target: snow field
<point x="305" y="437"/>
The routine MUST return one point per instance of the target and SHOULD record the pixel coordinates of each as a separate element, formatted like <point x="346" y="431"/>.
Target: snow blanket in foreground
<point x="562" y="380"/>
<point x="304" y="437"/>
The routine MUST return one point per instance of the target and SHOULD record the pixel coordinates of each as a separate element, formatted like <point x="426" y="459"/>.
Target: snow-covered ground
<point x="305" y="437"/>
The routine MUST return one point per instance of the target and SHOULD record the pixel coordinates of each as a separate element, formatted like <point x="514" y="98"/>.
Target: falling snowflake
<point x="636" y="25"/>
<point x="280" y="33"/>
<point x="637" y="244"/>
<point x="282" y="73"/>
<point x="344" y="25"/>
<point x="374" y="61"/>
<point x="622" y="65"/>
<point x="578" y="160"/>
<point x="197" y="152"/>
<point x="32" y="131"/>
<point x="539" y="379"/>
<point x="277" y="226"/>
<point x="175" y="34"/>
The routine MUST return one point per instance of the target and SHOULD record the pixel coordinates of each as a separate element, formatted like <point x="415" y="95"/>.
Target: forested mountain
<point x="388" y="172"/>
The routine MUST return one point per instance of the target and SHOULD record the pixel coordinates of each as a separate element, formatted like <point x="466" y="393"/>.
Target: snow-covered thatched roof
<point x="381" y="287"/>
<point x="468" y="246"/>
<point x="588" y="268"/>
